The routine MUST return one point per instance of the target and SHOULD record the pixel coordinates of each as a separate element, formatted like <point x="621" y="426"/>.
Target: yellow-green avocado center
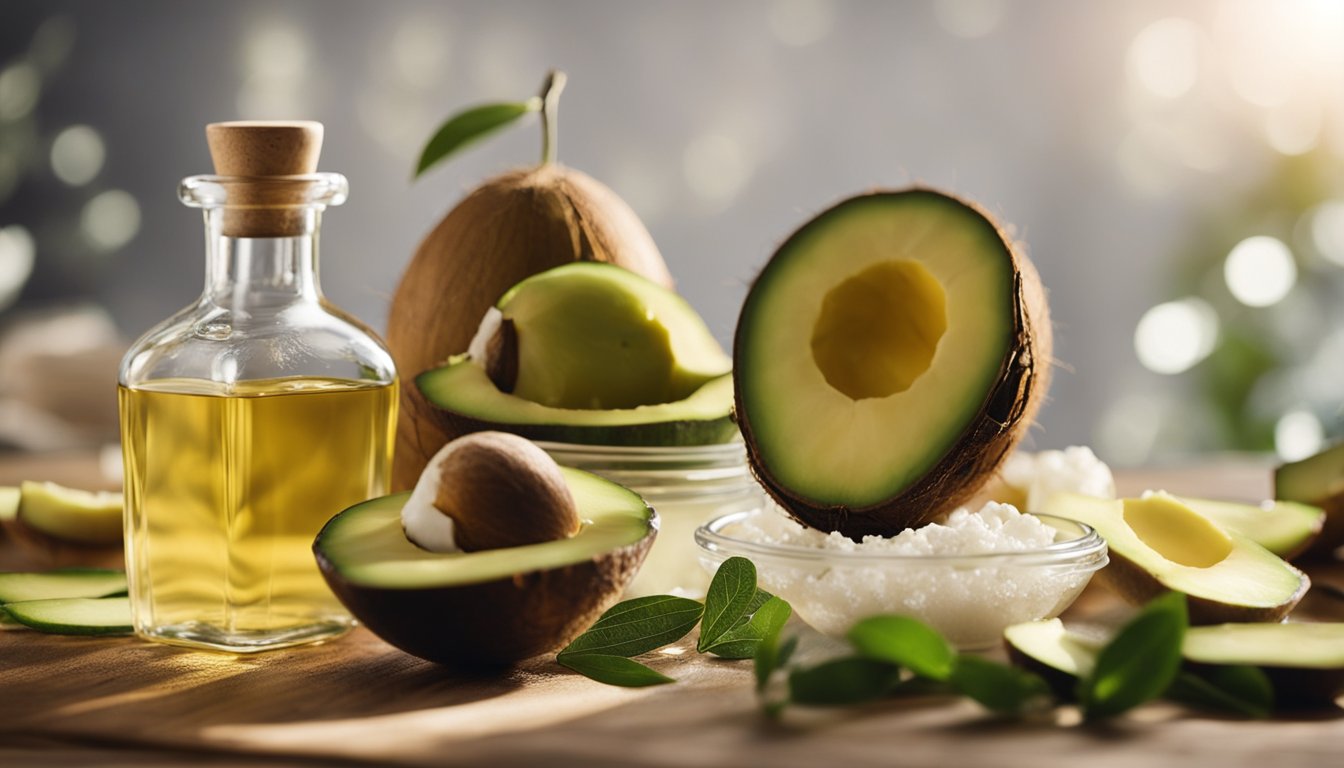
<point x="877" y="330"/>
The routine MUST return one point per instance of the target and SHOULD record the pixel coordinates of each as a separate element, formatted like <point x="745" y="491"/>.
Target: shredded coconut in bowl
<point x="970" y="601"/>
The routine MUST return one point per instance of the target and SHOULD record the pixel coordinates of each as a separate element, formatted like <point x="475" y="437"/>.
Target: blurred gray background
<point x="1174" y="167"/>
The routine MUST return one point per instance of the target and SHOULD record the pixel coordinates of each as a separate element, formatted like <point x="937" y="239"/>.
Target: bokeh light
<point x="1294" y="128"/>
<point x="1260" y="271"/>
<point x="1174" y="336"/>
<point x="275" y="61"/>
<point x="77" y="155"/>
<point x="716" y="169"/>
<point x="1163" y="59"/>
<point x="1327" y="230"/>
<point x="20" y="86"/>
<point x="969" y="18"/>
<point x="1297" y="435"/>
<point x="17" y="254"/>
<point x="801" y="22"/>
<point x="110" y="220"/>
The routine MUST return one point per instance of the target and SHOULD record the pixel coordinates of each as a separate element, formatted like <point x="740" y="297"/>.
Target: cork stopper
<point x="263" y="202"/>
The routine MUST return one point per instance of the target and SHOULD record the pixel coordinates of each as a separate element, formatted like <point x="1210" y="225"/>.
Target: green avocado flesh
<point x="366" y="545"/>
<point x="464" y="392"/>
<point x="70" y="514"/>
<point x="1158" y="543"/>
<point x="75" y="616"/>
<point x="596" y="336"/>
<point x="1317" y="480"/>
<point x="1314" y="478"/>
<point x="869" y="344"/>
<point x="9" y="502"/>
<point x="1304" y="661"/>
<point x="1296" y="645"/>
<point x="1049" y="643"/>
<point x="64" y="583"/>
<point x="1282" y="527"/>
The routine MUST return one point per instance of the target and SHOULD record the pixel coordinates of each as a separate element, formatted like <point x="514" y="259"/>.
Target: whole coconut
<point x="509" y="228"/>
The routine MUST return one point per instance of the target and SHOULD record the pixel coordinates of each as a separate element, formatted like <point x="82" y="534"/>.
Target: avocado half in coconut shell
<point x="887" y="360"/>
<point x="484" y="610"/>
<point x="511" y="227"/>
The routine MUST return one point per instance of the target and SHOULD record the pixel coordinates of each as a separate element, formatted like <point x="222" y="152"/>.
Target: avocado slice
<point x="9" y="502"/>
<point x="468" y="401"/>
<point x="75" y="615"/>
<point x="887" y="359"/>
<point x="1061" y="657"/>
<point x="58" y="526"/>
<point x="490" y="608"/>
<point x="1317" y="480"/>
<point x="70" y="514"/>
<point x="588" y="353"/>
<point x="1157" y="544"/>
<point x="1303" y="661"/>
<point x="17" y="587"/>
<point x="1286" y="528"/>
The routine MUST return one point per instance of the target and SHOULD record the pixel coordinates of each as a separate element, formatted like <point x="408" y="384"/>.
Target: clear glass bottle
<point x="250" y="417"/>
<point x="688" y="486"/>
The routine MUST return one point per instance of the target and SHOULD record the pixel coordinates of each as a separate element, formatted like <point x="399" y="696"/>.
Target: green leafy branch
<point x="735" y="617"/>
<point x="897" y="655"/>
<point x="471" y="125"/>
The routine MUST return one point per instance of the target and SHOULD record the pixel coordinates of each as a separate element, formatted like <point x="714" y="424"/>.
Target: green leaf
<point x="906" y="642"/>
<point x="772" y="654"/>
<point x="470" y="126"/>
<point x="1239" y="689"/>
<point x="848" y="680"/>
<point x="731" y="592"/>
<point x="614" y="670"/>
<point x="997" y="687"/>
<point x="637" y="626"/>
<point x="1140" y="663"/>
<point x="741" y="641"/>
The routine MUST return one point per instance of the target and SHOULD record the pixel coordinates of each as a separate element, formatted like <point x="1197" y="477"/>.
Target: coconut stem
<point x="550" y="104"/>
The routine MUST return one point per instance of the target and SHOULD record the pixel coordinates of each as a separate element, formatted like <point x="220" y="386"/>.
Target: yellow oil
<point x="225" y="491"/>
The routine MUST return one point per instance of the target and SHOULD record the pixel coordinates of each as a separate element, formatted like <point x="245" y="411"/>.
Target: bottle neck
<point x="251" y="273"/>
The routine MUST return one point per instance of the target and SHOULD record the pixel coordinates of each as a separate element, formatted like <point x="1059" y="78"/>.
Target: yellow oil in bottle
<point x="225" y="491"/>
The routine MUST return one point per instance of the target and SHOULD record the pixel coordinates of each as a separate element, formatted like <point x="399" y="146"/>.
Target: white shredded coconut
<point x="1076" y="469"/>
<point x="969" y="602"/>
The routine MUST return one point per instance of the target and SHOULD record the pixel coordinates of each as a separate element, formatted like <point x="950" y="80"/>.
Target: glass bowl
<point x="970" y="599"/>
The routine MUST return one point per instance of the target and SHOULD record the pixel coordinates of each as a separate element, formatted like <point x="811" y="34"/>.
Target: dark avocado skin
<point x="491" y="625"/>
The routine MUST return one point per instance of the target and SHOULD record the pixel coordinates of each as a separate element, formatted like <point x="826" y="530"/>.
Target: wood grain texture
<point x="357" y="701"/>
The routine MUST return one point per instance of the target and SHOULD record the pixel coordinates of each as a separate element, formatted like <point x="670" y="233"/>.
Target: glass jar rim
<point x="1086" y="550"/>
<point x="309" y="190"/>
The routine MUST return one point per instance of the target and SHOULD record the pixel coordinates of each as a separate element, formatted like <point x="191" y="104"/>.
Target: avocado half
<point x="887" y="360"/>
<point x="1159" y="544"/>
<point x="588" y="353"/>
<point x="490" y="608"/>
<point x="1317" y="480"/>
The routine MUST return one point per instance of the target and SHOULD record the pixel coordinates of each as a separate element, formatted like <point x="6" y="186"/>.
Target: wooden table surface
<point x="356" y="701"/>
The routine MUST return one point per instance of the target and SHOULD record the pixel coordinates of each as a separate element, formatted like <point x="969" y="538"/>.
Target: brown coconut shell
<point x="1006" y="413"/>
<point x="511" y="227"/>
